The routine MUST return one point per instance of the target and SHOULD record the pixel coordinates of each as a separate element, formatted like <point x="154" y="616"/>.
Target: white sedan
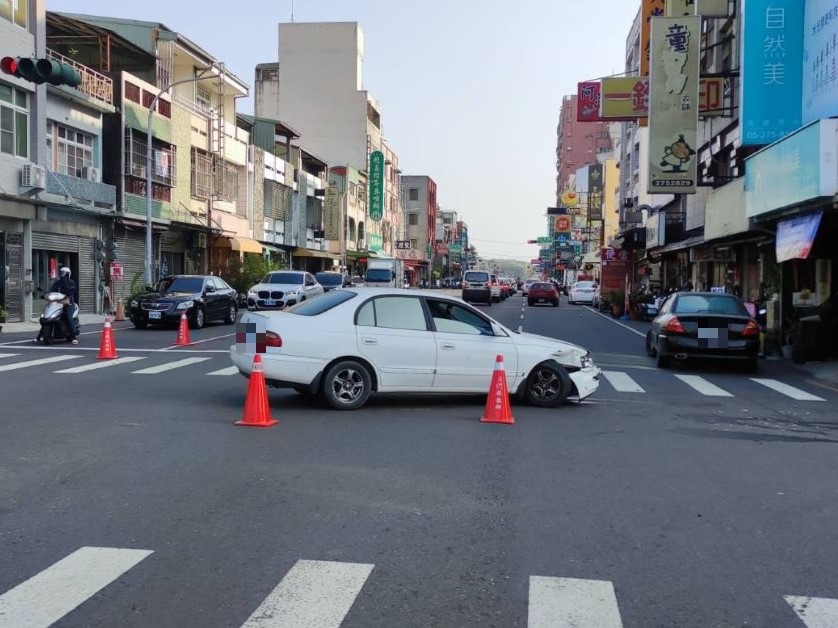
<point x="350" y="343"/>
<point x="584" y="292"/>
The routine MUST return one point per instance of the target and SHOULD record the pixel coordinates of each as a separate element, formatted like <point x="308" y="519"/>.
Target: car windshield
<point x="322" y="303"/>
<point x="285" y="278"/>
<point x="329" y="279"/>
<point x="477" y="277"/>
<point x="192" y="285"/>
<point x="379" y="274"/>
<point x="709" y="304"/>
<point x="585" y="285"/>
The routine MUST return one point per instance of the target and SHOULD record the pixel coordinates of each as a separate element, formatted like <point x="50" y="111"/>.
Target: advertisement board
<point x="331" y="213"/>
<point x="376" y="185"/>
<point x="820" y="59"/>
<point x="595" y="187"/>
<point x="587" y="101"/>
<point x="673" y="105"/>
<point x="627" y="99"/>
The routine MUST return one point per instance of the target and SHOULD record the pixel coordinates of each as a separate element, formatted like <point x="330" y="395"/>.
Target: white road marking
<point x="120" y="349"/>
<point x="230" y="370"/>
<point x="708" y="389"/>
<point x="616" y="322"/>
<point x="815" y="612"/>
<point x="38" y="362"/>
<point x="8" y="355"/>
<point x="99" y="365"/>
<point x="200" y="342"/>
<point x="788" y="391"/>
<point x="49" y="595"/>
<point x="313" y="593"/>
<point x="169" y="366"/>
<point x="572" y="603"/>
<point x="622" y="382"/>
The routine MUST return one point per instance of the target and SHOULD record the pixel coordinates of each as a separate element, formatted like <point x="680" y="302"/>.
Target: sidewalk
<point x="34" y="326"/>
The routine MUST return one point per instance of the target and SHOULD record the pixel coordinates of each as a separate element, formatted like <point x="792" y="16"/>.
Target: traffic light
<point x="111" y="248"/>
<point x="532" y="241"/>
<point x="99" y="254"/>
<point x="41" y="71"/>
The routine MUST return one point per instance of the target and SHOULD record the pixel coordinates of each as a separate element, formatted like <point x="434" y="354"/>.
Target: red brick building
<point x="577" y="144"/>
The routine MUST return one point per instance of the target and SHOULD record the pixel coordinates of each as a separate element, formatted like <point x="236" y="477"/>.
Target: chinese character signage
<point x="649" y="9"/>
<point x="673" y="105"/>
<point x="375" y="242"/>
<point x="595" y="192"/>
<point x="624" y="98"/>
<point x="613" y="255"/>
<point x="331" y="213"/>
<point x="680" y="8"/>
<point x="561" y="224"/>
<point x="772" y="69"/>
<point x="587" y="101"/>
<point x="402" y="245"/>
<point x="820" y="54"/>
<point x="376" y="185"/>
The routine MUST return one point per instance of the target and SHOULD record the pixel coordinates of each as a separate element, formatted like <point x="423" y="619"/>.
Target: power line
<point x="496" y="241"/>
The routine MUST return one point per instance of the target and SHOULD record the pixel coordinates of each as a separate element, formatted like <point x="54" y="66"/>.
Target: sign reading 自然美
<point x="376" y="185"/>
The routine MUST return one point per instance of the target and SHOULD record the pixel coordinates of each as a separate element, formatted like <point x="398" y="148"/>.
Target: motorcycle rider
<point x="66" y="286"/>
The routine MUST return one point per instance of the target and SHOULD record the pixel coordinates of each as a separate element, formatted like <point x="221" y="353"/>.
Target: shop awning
<point x="313" y="253"/>
<point x="245" y="245"/>
<point x="272" y="249"/>
<point x="680" y="246"/>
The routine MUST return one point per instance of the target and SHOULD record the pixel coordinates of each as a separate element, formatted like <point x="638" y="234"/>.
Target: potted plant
<point x="617" y="299"/>
<point x="3" y="315"/>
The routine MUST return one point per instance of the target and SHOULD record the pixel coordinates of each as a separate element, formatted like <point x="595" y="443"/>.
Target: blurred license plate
<point x="154" y="315"/>
<point x="270" y="302"/>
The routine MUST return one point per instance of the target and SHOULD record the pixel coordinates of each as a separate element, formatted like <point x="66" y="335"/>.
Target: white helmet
<point x="64" y="271"/>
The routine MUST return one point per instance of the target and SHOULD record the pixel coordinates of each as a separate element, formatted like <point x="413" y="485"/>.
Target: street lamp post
<point x="148" y="165"/>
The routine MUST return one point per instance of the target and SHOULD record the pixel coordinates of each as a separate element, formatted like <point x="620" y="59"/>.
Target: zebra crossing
<point x="617" y="381"/>
<point x="320" y="594"/>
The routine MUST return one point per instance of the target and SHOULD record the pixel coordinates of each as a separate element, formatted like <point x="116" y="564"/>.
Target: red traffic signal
<point x="9" y="66"/>
<point x="532" y="241"/>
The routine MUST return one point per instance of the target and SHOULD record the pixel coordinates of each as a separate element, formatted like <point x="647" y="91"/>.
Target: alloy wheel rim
<point x="546" y="385"/>
<point x="347" y="385"/>
<point x="199" y="318"/>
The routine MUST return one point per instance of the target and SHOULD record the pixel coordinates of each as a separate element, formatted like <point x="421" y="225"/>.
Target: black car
<point x="204" y="298"/>
<point x="704" y="325"/>
<point x="331" y="280"/>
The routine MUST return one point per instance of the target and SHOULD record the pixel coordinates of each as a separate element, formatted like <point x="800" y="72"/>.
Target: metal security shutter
<point x="131" y="253"/>
<point x="83" y="248"/>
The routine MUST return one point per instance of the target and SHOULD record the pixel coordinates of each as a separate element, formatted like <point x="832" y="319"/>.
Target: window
<point x="148" y="98"/>
<point x="14" y="11"/>
<point x="452" y="318"/>
<point x="413" y="219"/>
<point x="323" y="303"/>
<point x="227" y="182"/>
<point x="716" y="304"/>
<point x="68" y="150"/>
<point x="414" y="243"/>
<point x="162" y="160"/>
<point x="14" y="120"/>
<point x="201" y="174"/>
<point x="132" y="92"/>
<point x="413" y="194"/>
<point x="393" y="313"/>
<point x="164" y="108"/>
<point x="203" y="99"/>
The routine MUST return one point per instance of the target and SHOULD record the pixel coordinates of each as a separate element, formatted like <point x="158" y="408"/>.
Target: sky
<point x="470" y="91"/>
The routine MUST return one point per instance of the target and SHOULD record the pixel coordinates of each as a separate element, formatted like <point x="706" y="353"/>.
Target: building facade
<point x="577" y="144"/>
<point x="421" y="217"/>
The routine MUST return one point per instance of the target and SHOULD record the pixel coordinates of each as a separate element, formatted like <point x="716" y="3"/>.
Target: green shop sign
<point x="375" y="242"/>
<point x="376" y="185"/>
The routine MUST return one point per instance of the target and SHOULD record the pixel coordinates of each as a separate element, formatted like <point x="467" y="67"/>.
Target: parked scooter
<point x="53" y="327"/>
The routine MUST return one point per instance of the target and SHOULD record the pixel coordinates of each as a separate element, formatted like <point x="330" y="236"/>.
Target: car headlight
<point x="293" y="293"/>
<point x="134" y="303"/>
<point x="185" y="305"/>
<point x="252" y="293"/>
<point x="587" y="361"/>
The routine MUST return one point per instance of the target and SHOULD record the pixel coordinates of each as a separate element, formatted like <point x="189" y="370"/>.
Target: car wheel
<point x="530" y="302"/>
<point x="231" y="314"/>
<point x="650" y="350"/>
<point x="198" y="318"/>
<point x="347" y="385"/>
<point x="663" y="361"/>
<point x="547" y="386"/>
<point x="556" y="303"/>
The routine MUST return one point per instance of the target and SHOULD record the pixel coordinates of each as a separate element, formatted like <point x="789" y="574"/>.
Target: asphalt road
<point x="690" y="497"/>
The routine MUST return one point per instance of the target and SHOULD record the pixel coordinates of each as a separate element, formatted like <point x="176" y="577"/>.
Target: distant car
<point x="584" y="292"/>
<point x="350" y="343"/>
<point x="357" y="281"/>
<point x="543" y="292"/>
<point x="283" y="288"/>
<point x="204" y="298"/>
<point x="477" y="287"/>
<point x="704" y="325"/>
<point x="331" y="280"/>
<point x="526" y="287"/>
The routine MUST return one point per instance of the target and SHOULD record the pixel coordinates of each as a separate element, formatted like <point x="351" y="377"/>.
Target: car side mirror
<point x="209" y="289"/>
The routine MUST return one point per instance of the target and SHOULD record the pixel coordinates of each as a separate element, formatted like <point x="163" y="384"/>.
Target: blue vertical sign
<point x="820" y="60"/>
<point x="772" y="69"/>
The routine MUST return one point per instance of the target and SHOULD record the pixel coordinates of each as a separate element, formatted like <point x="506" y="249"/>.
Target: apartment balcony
<point x="78" y="191"/>
<point x="94" y="85"/>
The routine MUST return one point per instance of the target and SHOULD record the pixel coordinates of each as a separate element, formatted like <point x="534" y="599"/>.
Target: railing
<point x="93" y="84"/>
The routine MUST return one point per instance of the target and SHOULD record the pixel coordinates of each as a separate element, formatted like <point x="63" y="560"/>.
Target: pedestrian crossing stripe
<point x="321" y="594"/>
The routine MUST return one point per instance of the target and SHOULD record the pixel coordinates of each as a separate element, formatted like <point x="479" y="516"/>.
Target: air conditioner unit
<point x="33" y="177"/>
<point x="201" y="241"/>
<point x="91" y="174"/>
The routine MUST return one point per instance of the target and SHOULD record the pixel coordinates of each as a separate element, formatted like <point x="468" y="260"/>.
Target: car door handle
<point x="369" y="341"/>
<point x="447" y="345"/>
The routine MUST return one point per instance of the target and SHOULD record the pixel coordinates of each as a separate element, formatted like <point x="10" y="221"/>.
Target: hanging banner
<point x="772" y="69"/>
<point x="376" y="185"/>
<point x="627" y="99"/>
<point x="587" y="101"/>
<point x="649" y="9"/>
<point x="680" y="8"/>
<point x="820" y="78"/>
<point x="331" y="213"/>
<point x="796" y="236"/>
<point x="673" y="105"/>
<point x="595" y="192"/>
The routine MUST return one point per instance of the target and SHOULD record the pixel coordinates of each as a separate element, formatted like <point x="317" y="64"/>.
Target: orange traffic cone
<point x="257" y="411"/>
<point x="498" y="409"/>
<point x="183" y="339"/>
<point x="107" y="346"/>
